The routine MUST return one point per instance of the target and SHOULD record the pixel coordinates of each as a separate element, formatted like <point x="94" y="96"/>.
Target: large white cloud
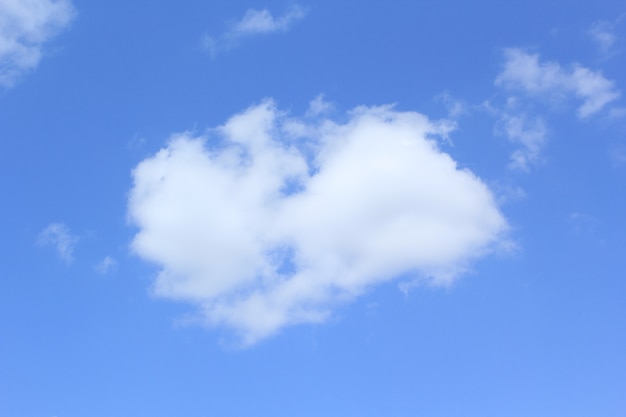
<point x="271" y="220"/>
<point x="524" y="71"/>
<point x="25" y="26"/>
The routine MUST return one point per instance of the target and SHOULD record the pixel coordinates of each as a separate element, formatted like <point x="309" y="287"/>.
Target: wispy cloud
<point x="319" y="106"/>
<point x="262" y="21"/>
<point x="523" y="71"/>
<point x="254" y="22"/>
<point x="529" y="133"/>
<point x="526" y="81"/>
<point x="270" y="226"/>
<point x="107" y="265"/>
<point x="583" y="223"/>
<point x="454" y="106"/>
<point x="25" y="26"/>
<point x="507" y="193"/>
<point x="58" y="235"/>
<point x="617" y="154"/>
<point x="603" y="34"/>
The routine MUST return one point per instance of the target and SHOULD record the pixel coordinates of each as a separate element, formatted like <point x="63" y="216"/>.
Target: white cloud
<point x="263" y="228"/>
<point x="454" y="106"/>
<point x="522" y="128"/>
<point x="262" y="21"/>
<point x="524" y="71"/>
<point x="59" y="236"/>
<point x="254" y="22"/>
<point x="603" y="34"/>
<point x="319" y="106"/>
<point x="107" y="265"/>
<point x="25" y="26"/>
<point x="527" y="132"/>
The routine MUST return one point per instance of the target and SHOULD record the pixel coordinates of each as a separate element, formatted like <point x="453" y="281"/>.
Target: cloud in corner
<point x="25" y="27"/>
<point x="254" y="22"/>
<point x="271" y="220"/>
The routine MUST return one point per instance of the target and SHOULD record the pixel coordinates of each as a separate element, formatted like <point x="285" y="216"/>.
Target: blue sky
<point x="312" y="209"/>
